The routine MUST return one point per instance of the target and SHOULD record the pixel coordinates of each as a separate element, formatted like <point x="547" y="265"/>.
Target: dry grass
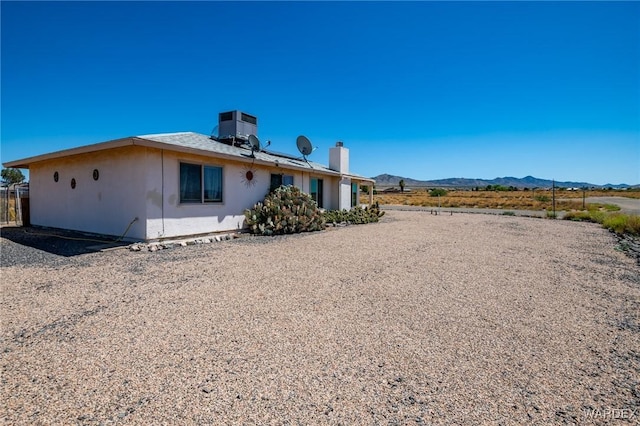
<point x="11" y="210"/>
<point x="519" y="200"/>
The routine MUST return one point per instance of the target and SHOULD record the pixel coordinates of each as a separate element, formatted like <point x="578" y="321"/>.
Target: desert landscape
<point x="539" y="199"/>
<point x="417" y="319"/>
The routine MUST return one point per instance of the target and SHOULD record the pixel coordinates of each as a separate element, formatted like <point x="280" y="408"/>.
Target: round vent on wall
<point x="56" y="176"/>
<point x="96" y="174"/>
<point x="73" y="183"/>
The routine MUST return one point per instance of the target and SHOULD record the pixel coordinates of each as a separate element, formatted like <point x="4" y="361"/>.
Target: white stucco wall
<point x="329" y="187"/>
<point x="144" y="182"/>
<point x="344" y="199"/>
<point x="168" y="218"/>
<point x="103" y="206"/>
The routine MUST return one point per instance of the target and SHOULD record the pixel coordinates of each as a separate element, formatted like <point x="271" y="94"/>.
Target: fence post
<point x="18" y="209"/>
<point x="553" y="191"/>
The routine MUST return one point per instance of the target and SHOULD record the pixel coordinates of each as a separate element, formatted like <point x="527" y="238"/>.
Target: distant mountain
<point x="386" y="180"/>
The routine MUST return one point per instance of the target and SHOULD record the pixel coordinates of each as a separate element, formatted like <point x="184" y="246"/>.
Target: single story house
<point x="175" y="185"/>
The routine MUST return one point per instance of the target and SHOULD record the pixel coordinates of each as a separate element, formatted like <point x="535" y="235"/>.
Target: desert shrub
<point x="286" y="210"/>
<point x="542" y="198"/>
<point x="355" y="216"/>
<point x="622" y="223"/>
<point x="597" y="216"/>
<point x="633" y="225"/>
<point x="578" y="216"/>
<point x="616" y="222"/>
<point x="438" y="192"/>
<point x="509" y="213"/>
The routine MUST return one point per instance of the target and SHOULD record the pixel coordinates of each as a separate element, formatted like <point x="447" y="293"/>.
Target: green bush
<point x="286" y="210"/>
<point x="355" y="216"/>
<point x="542" y="198"/>
<point x="438" y="192"/>
<point x="499" y="188"/>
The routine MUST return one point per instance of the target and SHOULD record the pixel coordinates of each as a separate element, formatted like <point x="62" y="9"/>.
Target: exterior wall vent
<point x="234" y="127"/>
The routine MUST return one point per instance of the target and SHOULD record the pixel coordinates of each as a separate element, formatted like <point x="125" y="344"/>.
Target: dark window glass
<point x="226" y="116"/>
<point x="354" y="194"/>
<point x="190" y="183"/>
<point x="278" y="180"/>
<point x="200" y="183"/>
<point x="212" y="183"/>
<point x="316" y="191"/>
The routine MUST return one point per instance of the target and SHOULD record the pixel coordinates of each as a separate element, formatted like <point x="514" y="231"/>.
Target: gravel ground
<point x="463" y="319"/>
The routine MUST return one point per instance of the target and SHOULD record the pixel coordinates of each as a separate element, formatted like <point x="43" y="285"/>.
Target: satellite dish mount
<point x="254" y="143"/>
<point x="304" y="146"/>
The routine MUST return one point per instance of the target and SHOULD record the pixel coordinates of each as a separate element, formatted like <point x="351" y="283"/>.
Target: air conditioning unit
<point x="234" y="127"/>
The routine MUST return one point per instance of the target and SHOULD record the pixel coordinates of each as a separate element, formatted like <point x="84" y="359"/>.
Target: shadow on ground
<point x="59" y="242"/>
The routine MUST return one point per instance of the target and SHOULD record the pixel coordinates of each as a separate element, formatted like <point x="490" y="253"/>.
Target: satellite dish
<point x="304" y="145"/>
<point x="214" y="133"/>
<point x="254" y="142"/>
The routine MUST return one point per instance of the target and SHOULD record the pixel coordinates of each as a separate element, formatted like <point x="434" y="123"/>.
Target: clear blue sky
<point x="425" y="90"/>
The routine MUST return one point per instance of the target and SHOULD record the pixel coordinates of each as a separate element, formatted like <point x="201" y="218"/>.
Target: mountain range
<point x="386" y="180"/>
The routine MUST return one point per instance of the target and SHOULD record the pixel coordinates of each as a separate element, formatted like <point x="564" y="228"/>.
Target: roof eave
<point x="360" y="178"/>
<point x="26" y="162"/>
<point x="136" y="140"/>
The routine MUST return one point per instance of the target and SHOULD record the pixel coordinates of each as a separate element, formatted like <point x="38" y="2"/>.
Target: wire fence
<point x="14" y="205"/>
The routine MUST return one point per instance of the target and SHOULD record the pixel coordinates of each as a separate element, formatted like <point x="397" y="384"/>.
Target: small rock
<point x="183" y="244"/>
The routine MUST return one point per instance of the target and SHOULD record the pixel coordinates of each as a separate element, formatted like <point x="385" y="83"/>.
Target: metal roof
<point x="195" y="143"/>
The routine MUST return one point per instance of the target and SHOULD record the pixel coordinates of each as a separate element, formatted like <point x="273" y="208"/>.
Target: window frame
<point x="202" y="184"/>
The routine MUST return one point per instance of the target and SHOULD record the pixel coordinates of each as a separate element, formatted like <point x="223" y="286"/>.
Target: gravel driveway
<point x="466" y="319"/>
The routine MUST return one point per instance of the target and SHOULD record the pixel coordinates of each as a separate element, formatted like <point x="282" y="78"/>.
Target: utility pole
<point x="553" y="194"/>
<point x="583" y="191"/>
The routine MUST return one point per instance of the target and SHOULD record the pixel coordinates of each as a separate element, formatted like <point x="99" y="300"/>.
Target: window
<point x="316" y="191"/>
<point x="278" y="180"/>
<point x="226" y="116"/>
<point x="200" y="184"/>
<point x="354" y="194"/>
